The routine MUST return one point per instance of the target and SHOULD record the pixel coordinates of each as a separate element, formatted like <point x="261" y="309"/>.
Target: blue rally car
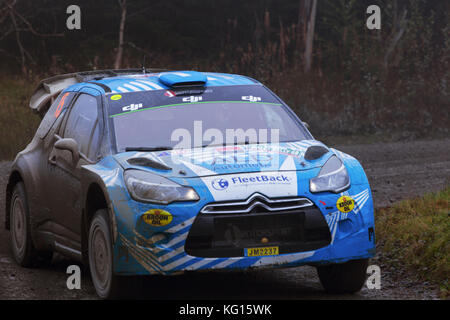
<point x="142" y="172"/>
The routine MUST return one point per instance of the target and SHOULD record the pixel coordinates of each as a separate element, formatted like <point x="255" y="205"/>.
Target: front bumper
<point x="141" y="249"/>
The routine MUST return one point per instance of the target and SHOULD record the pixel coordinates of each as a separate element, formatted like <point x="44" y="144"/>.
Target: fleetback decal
<point x="345" y="204"/>
<point x="157" y="217"/>
<point x="220" y="184"/>
<point x="242" y="185"/>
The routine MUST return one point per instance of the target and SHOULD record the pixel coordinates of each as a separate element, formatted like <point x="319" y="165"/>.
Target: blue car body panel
<point x="140" y="248"/>
<point x="143" y="249"/>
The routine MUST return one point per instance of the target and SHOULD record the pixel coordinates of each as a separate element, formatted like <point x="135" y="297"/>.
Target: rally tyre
<point x="20" y="228"/>
<point x="348" y="277"/>
<point x="100" y="252"/>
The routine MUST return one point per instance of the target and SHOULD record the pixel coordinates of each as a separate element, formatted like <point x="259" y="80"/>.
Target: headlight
<point x="149" y="187"/>
<point x="332" y="177"/>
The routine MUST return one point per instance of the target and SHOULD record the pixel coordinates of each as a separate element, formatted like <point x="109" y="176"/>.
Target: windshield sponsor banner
<point x="147" y="100"/>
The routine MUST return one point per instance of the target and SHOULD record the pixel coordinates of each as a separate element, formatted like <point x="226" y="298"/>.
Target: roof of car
<point x="111" y="81"/>
<point x="155" y="81"/>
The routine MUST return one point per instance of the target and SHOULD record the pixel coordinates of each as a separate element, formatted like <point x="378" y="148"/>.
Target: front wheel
<point x="100" y="253"/>
<point x="348" y="277"/>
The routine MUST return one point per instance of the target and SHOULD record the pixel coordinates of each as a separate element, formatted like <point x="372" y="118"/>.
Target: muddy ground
<point x="396" y="171"/>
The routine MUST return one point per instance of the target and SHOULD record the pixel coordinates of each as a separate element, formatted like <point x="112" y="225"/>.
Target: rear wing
<point x="49" y="89"/>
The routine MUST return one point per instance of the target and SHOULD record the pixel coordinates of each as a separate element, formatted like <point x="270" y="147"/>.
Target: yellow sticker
<point x="116" y="97"/>
<point x="157" y="217"/>
<point x="345" y="204"/>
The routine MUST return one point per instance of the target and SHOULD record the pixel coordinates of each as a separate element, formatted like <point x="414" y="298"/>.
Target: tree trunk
<point x="309" y="39"/>
<point x="118" y="62"/>
<point x="399" y="28"/>
<point x="19" y="44"/>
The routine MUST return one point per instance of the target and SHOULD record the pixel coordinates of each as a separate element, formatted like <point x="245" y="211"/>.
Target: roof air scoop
<point x="183" y="79"/>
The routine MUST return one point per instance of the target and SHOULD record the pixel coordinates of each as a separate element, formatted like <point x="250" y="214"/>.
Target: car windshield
<point x="157" y="120"/>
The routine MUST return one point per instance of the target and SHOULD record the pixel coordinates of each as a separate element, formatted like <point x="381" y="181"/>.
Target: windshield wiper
<point x="162" y="148"/>
<point x="235" y="143"/>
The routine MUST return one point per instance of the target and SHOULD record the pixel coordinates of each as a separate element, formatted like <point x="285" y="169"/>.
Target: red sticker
<point x="169" y="93"/>
<point x="60" y="105"/>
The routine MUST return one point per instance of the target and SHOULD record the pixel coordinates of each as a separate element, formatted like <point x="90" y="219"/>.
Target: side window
<point x="55" y="110"/>
<point x="82" y="125"/>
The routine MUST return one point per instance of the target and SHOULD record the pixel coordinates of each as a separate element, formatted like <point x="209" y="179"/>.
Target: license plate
<point x="261" y="251"/>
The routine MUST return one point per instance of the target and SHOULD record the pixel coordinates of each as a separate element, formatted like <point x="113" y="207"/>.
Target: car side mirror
<point x="305" y="124"/>
<point x="69" y="144"/>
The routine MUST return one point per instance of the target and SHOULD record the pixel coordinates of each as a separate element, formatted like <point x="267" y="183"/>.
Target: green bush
<point x="415" y="234"/>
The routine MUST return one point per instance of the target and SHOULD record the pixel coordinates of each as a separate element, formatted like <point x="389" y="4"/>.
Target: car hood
<point x="211" y="161"/>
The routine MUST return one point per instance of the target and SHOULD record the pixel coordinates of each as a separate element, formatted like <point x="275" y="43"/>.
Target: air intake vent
<point x="257" y="203"/>
<point x="147" y="162"/>
<point x="183" y="79"/>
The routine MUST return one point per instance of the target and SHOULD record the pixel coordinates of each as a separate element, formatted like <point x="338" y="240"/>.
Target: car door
<point x="82" y="124"/>
<point x="43" y="141"/>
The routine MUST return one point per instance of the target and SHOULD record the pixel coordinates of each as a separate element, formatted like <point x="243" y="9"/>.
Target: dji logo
<point x="192" y="99"/>
<point x="132" y="107"/>
<point x="251" y="98"/>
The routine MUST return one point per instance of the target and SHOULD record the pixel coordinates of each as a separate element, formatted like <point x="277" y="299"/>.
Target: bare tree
<point x="399" y="25"/>
<point x="123" y="6"/>
<point x="311" y="8"/>
<point x="17" y="24"/>
<point x="301" y="26"/>
<point x="305" y="32"/>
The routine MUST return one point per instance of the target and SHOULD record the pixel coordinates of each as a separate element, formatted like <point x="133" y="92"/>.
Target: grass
<point x="17" y="122"/>
<point x="415" y="235"/>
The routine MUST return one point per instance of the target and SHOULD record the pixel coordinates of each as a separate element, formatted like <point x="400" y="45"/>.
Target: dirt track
<point x="395" y="170"/>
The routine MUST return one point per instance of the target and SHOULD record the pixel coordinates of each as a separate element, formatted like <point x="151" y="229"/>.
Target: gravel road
<point x="395" y="170"/>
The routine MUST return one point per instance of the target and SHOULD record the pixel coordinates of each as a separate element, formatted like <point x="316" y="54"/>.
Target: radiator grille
<point x="257" y="203"/>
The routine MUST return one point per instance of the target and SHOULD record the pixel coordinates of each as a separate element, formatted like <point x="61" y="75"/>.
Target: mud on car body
<point x="105" y="181"/>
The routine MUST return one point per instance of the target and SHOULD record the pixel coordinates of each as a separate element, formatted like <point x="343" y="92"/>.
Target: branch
<point x="30" y="27"/>
<point x="401" y="26"/>
<point x="5" y="34"/>
<point x="123" y="6"/>
<point x="8" y="53"/>
<point x="309" y="39"/>
<point x="19" y="43"/>
<point x="131" y="44"/>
